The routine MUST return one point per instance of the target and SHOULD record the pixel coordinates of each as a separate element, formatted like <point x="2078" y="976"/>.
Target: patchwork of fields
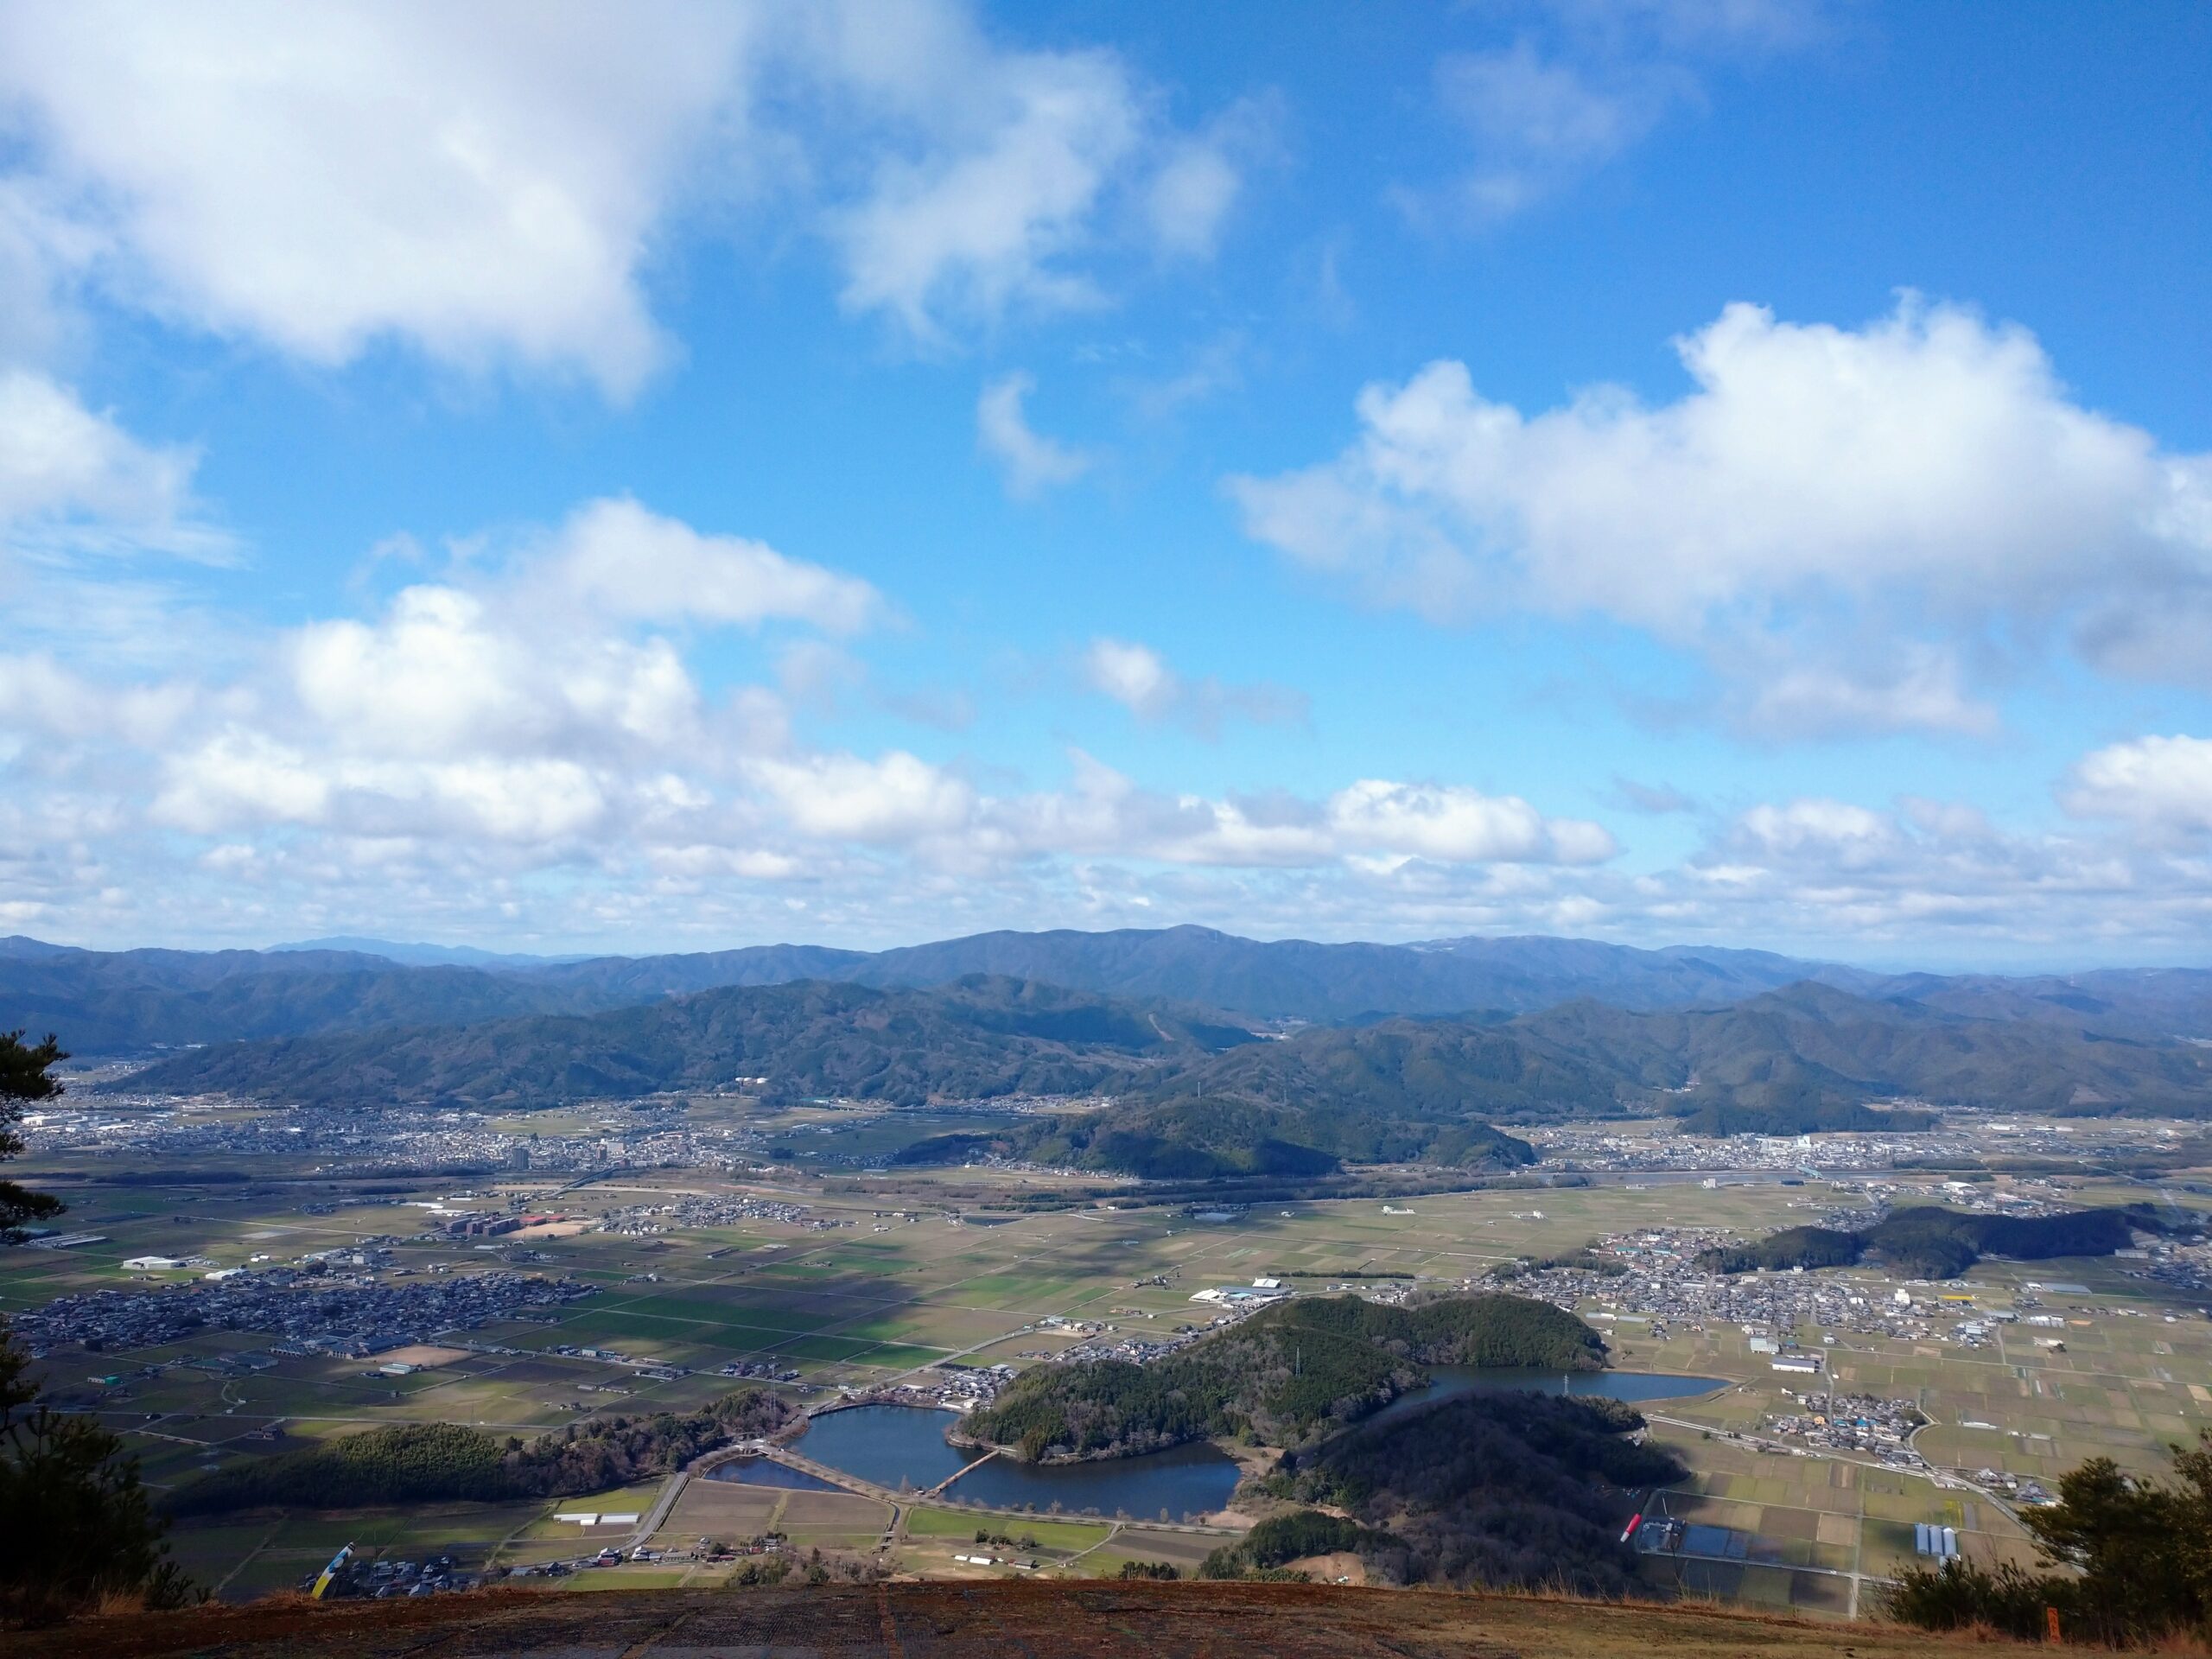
<point x="902" y="1286"/>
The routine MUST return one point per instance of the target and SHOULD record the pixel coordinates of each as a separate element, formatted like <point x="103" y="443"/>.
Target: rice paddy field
<point x="928" y="1268"/>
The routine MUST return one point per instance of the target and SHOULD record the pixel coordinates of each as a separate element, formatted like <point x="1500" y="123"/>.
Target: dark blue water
<point x="1716" y="1541"/>
<point x="890" y="1444"/>
<point x="1184" y="1482"/>
<point x="766" y="1472"/>
<point x="1636" y="1387"/>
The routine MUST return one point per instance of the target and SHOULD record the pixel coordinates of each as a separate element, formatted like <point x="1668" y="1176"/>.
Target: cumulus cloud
<point x="537" y="702"/>
<point x="1142" y="681"/>
<point x="529" y="720"/>
<point x="1030" y="462"/>
<point x="894" y="798"/>
<point x="2163" y="785"/>
<point x="40" y="694"/>
<point x="1925" y="480"/>
<point x="482" y="181"/>
<point x="1373" y="822"/>
<point x="1918" y="873"/>
<point x="615" y="558"/>
<point x="492" y="185"/>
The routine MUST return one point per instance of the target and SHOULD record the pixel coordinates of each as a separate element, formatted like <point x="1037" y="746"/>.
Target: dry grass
<point x="1076" y="1618"/>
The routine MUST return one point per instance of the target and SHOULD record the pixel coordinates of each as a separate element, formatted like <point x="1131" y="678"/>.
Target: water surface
<point x="905" y="1447"/>
<point x="766" y="1472"/>
<point x="896" y="1445"/>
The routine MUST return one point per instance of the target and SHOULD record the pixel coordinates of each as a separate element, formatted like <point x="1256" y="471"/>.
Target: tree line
<point x="422" y="1463"/>
<point x="1931" y="1242"/>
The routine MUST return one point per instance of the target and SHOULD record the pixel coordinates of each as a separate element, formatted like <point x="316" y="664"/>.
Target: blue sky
<point x="1735" y="472"/>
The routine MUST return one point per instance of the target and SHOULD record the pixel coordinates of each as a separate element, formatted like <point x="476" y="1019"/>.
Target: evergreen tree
<point x="26" y="1074"/>
<point x="2135" y="1556"/>
<point x="75" y="1527"/>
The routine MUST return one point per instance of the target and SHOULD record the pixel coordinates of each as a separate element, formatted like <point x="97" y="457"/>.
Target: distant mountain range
<point x="128" y="1002"/>
<point x="427" y="955"/>
<point x="980" y="1038"/>
<point x="1223" y="1054"/>
<point x="1195" y="1096"/>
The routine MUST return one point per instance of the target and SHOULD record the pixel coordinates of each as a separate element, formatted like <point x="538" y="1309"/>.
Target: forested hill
<point x="1790" y="1053"/>
<point x="1930" y="1242"/>
<point x="1284" y="1376"/>
<point x="1806" y="1058"/>
<point x="1205" y="1138"/>
<point x="128" y="1002"/>
<point x="980" y="1038"/>
<point x="1490" y="1490"/>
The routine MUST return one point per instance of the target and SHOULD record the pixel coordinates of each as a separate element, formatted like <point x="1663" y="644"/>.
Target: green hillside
<point x="1283" y="1377"/>
<point x="1929" y="1241"/>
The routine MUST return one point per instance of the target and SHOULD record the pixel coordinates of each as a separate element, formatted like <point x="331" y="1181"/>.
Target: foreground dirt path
<point x="1049" y="1620"/>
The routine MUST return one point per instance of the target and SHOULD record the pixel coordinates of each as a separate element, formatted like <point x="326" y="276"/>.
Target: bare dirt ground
<point x="422" y="1356"/>
<point x="1070" y="1619"/>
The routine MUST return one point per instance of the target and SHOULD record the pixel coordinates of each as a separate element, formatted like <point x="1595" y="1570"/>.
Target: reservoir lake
<point x="905" y="1445"/>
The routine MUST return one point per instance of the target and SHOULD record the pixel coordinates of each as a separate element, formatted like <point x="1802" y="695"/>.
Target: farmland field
<point x="863" y="1282"/>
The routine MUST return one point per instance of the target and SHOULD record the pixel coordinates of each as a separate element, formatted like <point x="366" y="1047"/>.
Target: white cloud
<point x="60" y="464"/>
<point x="1200" y="178"/>
<point x="1456" y="825"/>
<point x="1585" y="84"/>
<point x="1134" y="676"/>
<point x="1927" y="874"/>
<point x="1924" y="479"/>
<point x="1107" y="815"/>
<point x="492" y="185"/>
<point x="1190" y="196"/>
<point x="82" y="500"/>
<point x="1031" y="462"/>
<point x="41" y="695"/>
<point x="1142" y="681"/>
<point x="1837" y="830"/>
<point x="1536" y="121"/>
<point x="531" y="710"/>
<point x="616" y="559"/>
<point x="984" y="218"/>
<point x="442" y="674"/>
<point x="482" y="181"/>
<point x="1902" y="687"/>
<point x="2163" y="785"/>
<point x="894" y="798"/>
